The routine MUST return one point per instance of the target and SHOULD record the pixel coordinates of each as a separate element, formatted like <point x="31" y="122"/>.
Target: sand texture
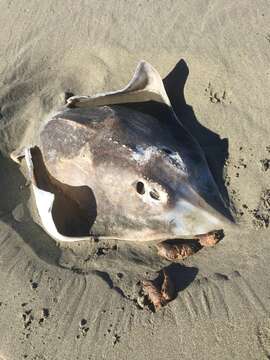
<point x="81" y="301"/>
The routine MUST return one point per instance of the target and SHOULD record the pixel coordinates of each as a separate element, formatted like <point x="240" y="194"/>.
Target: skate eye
<point x="140" y="188"/>
<point x="154" y="194"/>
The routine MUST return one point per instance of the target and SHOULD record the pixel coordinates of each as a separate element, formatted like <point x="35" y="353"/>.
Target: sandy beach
<point x="80" y="300"/>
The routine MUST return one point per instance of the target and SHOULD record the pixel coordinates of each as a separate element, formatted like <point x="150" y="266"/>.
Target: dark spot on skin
<point x="140" y="188"/>
<point x="154" y="194"/>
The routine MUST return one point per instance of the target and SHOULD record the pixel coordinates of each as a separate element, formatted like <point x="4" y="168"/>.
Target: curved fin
<point x="145" y="85"/>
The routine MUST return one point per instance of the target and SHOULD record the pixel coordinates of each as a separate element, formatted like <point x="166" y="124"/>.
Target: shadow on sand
<point x="215" y="149"/>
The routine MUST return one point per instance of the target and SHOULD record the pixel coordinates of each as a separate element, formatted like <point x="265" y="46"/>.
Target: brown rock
<point x="209" y="239"/>
<point x="159" y="294"/>
<point x="174" y="252"/>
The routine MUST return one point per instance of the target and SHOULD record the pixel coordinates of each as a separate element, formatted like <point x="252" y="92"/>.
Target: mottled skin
<point x="110" y="149"/>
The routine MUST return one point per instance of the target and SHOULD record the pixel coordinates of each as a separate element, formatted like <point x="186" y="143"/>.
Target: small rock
<point x="34" y="284"/>
<point x="46" y="313"/>
<point x="265" y="164"/>
<point x="83" y="322"/>
<point x="67" y="95"/>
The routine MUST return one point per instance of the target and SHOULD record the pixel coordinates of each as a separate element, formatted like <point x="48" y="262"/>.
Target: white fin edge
<point x="44" y="204"/>
<point x="145" y="85"/>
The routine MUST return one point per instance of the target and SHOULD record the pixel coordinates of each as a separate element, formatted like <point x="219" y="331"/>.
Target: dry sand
<point x="71" y="302"/>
